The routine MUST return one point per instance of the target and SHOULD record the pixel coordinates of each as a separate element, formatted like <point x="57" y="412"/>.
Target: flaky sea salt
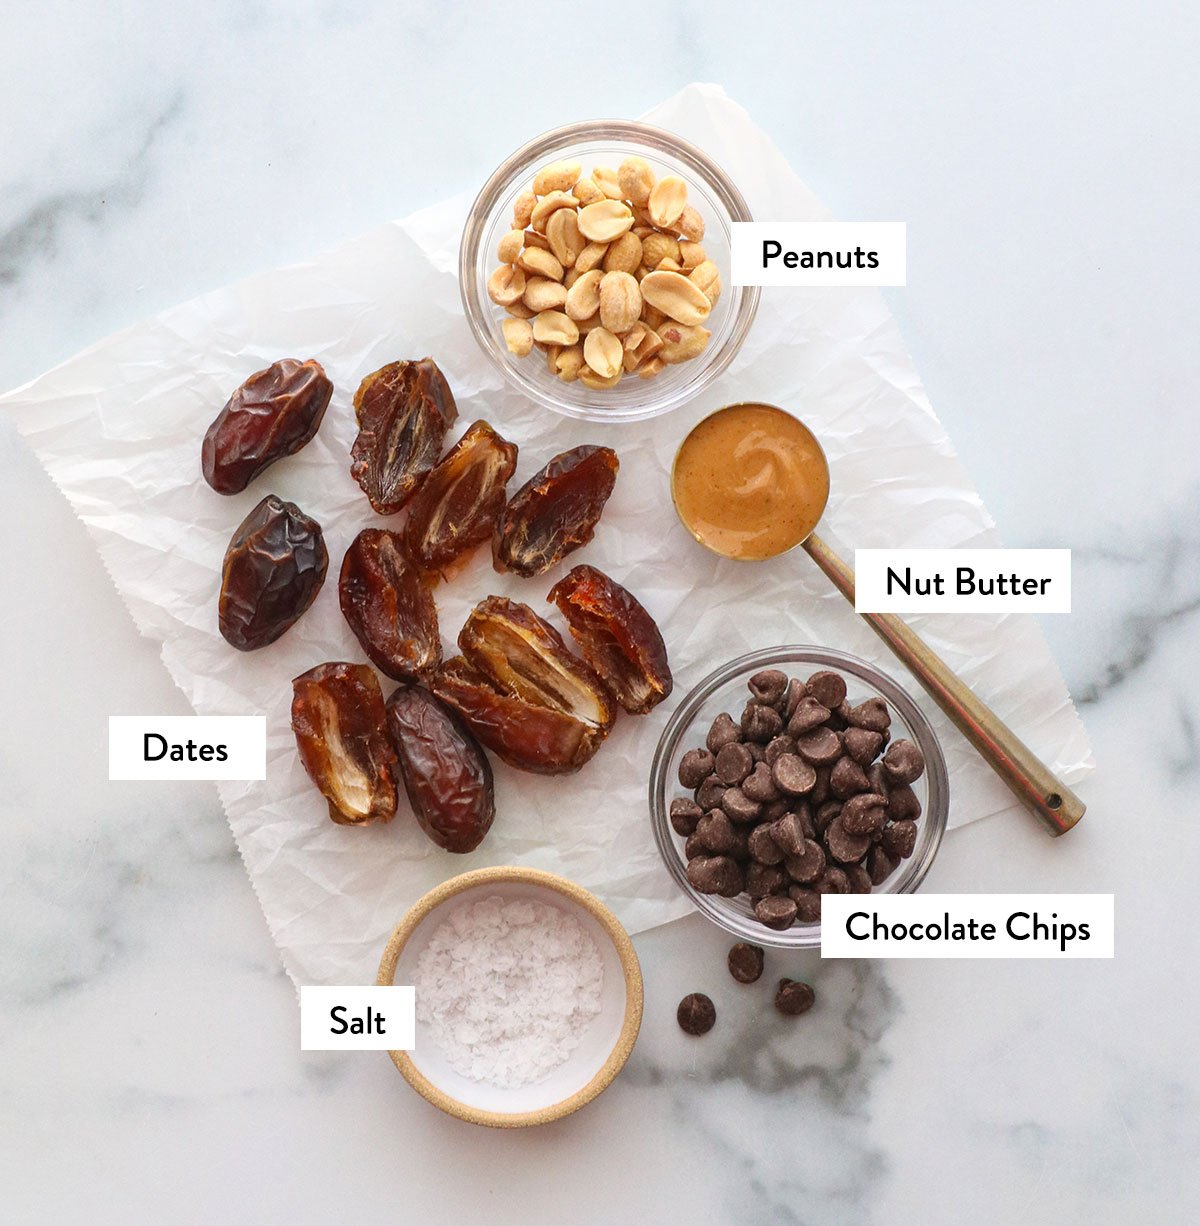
<point x="507" y="988"/>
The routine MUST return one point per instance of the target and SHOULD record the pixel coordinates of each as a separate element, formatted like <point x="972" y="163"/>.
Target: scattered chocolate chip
<point x="796" y="690"/>
<point x="825" y="815"/>
<point x="899" y="839"/>
<point x="808" y="904"/>
<point x="778" y="747"/>
<point x="715" y="875"/>
<point x="692" y="848"/>
<point x="832" y="881"/>
<point x="709" y="793"/>
<point x="843" y="845"/>
<point x="788" y="833"/>
<point x="809" y="714"/>
<point x="794" y="997"/>
<point x="847" y="778"/>
<point x="733" y="763"/>
<point x="765" y="879"/>
<point x="902" y="804"/>
<point x="859" y="879"/>
<point x="760" y="723"/>
<point x="881" y="785"/>
<point x="746" y="962"/>
<point x="792" y="775"/>
<point x="872" y="714"/>
<point x="864" y="814"/>
<point x="821" y="746"/>
<point x="880" y="865"/>
<point x="739" y="806"/>
<point x="904" y="762"/>
<point x="829" y="689"/>
<point x="695" y="766"/>
<point x="684" y="815"/>
<point x="769" y="686"/>
<point x="862" y="745"/>
<point x="714" y="833"/>
<point x="808" y="865"/>
<point x="760" y="786"/>
<point x="696" y="1014"/>
<point x="723" y="732"/>
<point x="763" y="847"/>
<point x="776" y="911"/>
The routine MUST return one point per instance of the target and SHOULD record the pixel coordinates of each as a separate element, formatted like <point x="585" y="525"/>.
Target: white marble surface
<point x="149" y="1068"/>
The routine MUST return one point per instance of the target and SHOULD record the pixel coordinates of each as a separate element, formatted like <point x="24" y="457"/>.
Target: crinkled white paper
<point x="119" y="429"/>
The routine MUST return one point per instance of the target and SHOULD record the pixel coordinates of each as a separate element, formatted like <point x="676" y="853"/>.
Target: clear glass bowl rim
<point x="911" y="872"/>
<point x="522" y="164"/>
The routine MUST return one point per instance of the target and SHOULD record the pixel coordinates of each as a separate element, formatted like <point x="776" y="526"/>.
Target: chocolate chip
<point x="864" y="814"/>
<point x="714" y="833"/>
<point x="809" y="714"/>
<point x="760" y="723"/>
<point x="829" y="689"/>
<point x="808" y="904"/>
<point x="757" y="752"/>
<point x="832" y="881"/>
<point x="794" y="997"/>
<point x="769" y="686"/>
<point x="859" y="879"/>
<point x="899" y="839"/>
<point x="821" y="747"/>
<point x="763" y="880"/>
<point x="709" y="793"/>
<point x="723" y="732"/>
<point x="695" y="766"/>
<point x="903" y="804"/>
<point x="843" y="845"/>
<point x="773" y="810"/>
<point x="880" y="865"/>
<point x="763" y="847"/>
<point x="693" y="848"/>
<point x="746" y="962"/>
<point x="820" y="791"/>
<point x="825" y="815"/>
<point x="684" y="815"/>
<point x="847" y="778"/>
<point x="793" y="775"/>
<point x="872" y="714"/>
<point x="808" y="865"/>
<point x="862" y="745"/>
<point x="715" y="875"/>
<point x="904" y="762"/>
<point x="881" y="785"/>
<point x="778" y="747"/>
<point x="739" y="806"/>
<point x="777" y="911"/>
<point x="759" y="785"/>
<point x="796" y="690"/>
<point x="696" y="1014"/>
<point x="733" y="763"/>
<point x="788" y="833"/>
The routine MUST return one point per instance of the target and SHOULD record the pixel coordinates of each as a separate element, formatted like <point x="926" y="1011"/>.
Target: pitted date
<point x="523" y="693"/>
<point x="446" y="774"/>
<point x="403" y="411"/>
<point x="458" y="504"/>
<point x="618" y="638"/>
<point x="272" y="415"/>
<point x="273" y="570"/>
<point x="556" y="511"/>
<point x="389" y="606"/>
<point x="340" y="724"/>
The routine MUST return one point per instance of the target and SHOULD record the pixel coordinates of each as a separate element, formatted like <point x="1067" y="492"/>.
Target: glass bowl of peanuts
<point x="594" y="270"/>
<point x="849" y="797"/>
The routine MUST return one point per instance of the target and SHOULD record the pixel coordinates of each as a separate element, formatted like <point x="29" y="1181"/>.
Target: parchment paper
<point x="119" y="429"/>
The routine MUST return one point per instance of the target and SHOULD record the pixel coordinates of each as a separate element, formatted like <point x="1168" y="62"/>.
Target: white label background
<point x="244" y="738"/>
<point x="1096" y="910"/>
<point x="886" y="238"/>
<point x="396" y="1004"/>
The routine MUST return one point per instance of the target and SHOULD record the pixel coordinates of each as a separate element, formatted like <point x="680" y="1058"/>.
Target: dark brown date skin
<point x="618" y="638"/>
<point x="458" y="505"/>
<point x="340" y="724"/>
<point x="522" y="692"/>
<point x="446" y="774"/>
<point x="273" y="570"/>
<point x="556" y="511"/>
<point x="272" y="415"/>
<point x="403" y="410"/>
<point x="389" y="606"/>
<point x="526" y="736"/>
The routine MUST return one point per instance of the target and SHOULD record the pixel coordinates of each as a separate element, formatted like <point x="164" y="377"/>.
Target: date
<point x="272" y="415"/>
<point x="273" y="569"/>
<point x="340" y="724"/>
<point x="446" y="774"/>
<point x="556" y="511"/>
<point x="458" y="505"/>
<point x="618" y="638"/>
<point x="389" y="606"/>
<point x="403" y="410"/>
<point x="522" y="692"/>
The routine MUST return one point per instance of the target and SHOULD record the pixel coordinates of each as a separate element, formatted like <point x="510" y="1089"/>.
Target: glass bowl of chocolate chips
<point x="789" y="774"/>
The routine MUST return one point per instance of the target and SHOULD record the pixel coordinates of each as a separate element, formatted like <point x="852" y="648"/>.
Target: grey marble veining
<point x="149" y="1068"/>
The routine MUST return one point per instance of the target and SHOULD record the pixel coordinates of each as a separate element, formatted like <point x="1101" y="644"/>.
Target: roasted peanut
<point x="510" y="246"/>
<point x="668" y="265"/>
<point x="518" y="336"/>
<point x="583" y="298"/>
<point x="557" y="177"/>
<point x="547" y="206"/>
<point x="589" y="378"/>
<point x="649" y="369"/>
<point x="569" y="363"/>
<point x="518" y="310"/>
<point x="708" y="278"/>
<point x="592" y="256"/>
<point x="666" y="201"/>
<point x="540" y="263"/>
<point x="506" y="285"/>
<point x="605" y="178"/>
<point x="681" y="342"/>
<point x="605" y="220"/>
<point x="691" y="255"/>
<point x="534" y="239"/>
<point x="690" y="224"/>
<point x="624" y="255"/>
<point x="620" y="301"/>
<point x="542" y="294"/>
<point x="658" y="247"/>
<point x="676" y="296"/>
<point x="602" y="352"/>
<point x="586" y="192"/>
<point x="523" y="209"/>
<point x="636" y="180"/>
<point x="562" y="232"/>
<point x="554" y="328"/>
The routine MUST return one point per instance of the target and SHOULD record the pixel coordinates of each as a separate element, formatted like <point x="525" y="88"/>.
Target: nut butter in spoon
<point x="750" y="482"/>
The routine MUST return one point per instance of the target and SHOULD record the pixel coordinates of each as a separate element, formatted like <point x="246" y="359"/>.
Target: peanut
<point x="636" y="180"/>
<point x="650" y="369"/>
<point x="590" y="324"/>
<point x="669" y="265"/>
<point x="506" y="285"/>
<point x="583" y="298"/>
<point x="667" y="200"/>
<point x="540" y="263"/>
<point x="623" y="255"/>
<point x="676" y="296"/>
<point x="523" y="209"/>
<point x="605" y="178"/>
<point x="542" y="294"/>
<point x="586" y="192"/>
<point x="518" y="336"/>
<point x="568" y="363"/>
<point x="534" y="239"/>
<point x="605" y="220"/>
<point x="589" y="378"/>
<point x="510" y="246"/>
<point x="708" y="278"/>
<point x="557" y="177"/>
<point x="592" y="256"/>
<point x="550" y="204"/>
<point x="620" y="301"/>
<point x="658" y="247"/>
<point x="562" y="232"/>
<point x="554" y="328"/>
<point x="602" y="352"/>
<point x="691" y="255"/>
<point x="518" y="310"/>
<point x="690" y="224"/>
<point x="680" y="342"/>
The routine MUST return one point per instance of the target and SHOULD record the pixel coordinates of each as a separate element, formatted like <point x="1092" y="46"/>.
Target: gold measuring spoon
<point x="751" y="482"/>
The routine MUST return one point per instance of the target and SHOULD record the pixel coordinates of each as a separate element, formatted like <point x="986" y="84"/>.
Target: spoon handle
<point x="1029" y="778"/>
